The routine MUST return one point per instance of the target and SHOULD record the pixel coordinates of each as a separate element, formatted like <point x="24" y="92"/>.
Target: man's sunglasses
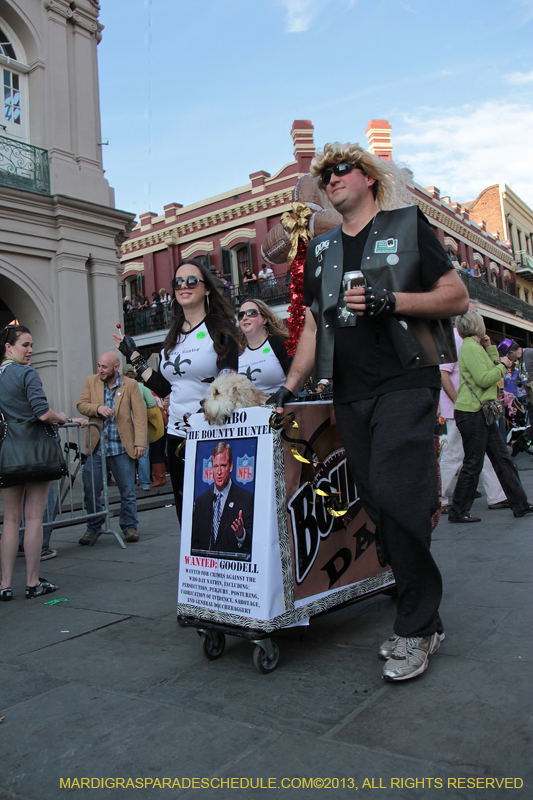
<point x="250" y="312"/>
<point x="339" y="170"/>
<point x="191" y="282"/>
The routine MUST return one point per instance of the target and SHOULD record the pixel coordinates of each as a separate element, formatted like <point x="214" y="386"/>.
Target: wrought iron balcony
<point x="23" y="166"/>
<point x="158" y="318"/>
<point x="478" y="289"/>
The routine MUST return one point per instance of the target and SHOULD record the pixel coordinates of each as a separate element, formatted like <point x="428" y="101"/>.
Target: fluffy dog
<point x="228" y="392"/>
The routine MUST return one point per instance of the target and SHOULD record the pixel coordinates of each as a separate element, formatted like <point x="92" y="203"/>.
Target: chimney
<point x="378" y="135"/>
<point x="304" y="144"/>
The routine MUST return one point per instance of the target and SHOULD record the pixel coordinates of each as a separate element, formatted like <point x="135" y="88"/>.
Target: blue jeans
<point x="143" y="468"/>
<point x="122" y="468"/>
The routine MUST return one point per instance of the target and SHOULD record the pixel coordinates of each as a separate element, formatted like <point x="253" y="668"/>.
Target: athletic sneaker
<point x="387" y="648"/>
<point x="410" y="657"/>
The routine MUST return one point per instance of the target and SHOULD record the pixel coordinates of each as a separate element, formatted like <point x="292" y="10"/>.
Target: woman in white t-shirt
<point x="264" y="359"/>
<point x="202" y="343"/>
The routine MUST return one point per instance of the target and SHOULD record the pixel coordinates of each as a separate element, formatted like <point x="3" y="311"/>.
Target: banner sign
<point x="259" y="548"/>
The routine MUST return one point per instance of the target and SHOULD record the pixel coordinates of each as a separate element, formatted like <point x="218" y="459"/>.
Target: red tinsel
<point x="296" y="318"/>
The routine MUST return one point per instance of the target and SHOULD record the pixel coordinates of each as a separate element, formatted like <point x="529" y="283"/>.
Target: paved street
<point x="109" y="686"/>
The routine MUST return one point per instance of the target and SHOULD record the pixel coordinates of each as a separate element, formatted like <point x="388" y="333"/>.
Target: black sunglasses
<point x="250" y="312"/>
<point x="339" y="170"/>
<point x="191" y="282"/>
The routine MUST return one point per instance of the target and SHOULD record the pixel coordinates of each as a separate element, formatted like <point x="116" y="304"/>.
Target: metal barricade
<point x="71" y="507"/>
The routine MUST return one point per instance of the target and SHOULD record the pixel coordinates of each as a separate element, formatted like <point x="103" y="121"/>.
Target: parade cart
<point x="304" y="545"/>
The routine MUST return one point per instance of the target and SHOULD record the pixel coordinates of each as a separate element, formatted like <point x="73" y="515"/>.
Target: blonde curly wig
<point x="392" y="182"/>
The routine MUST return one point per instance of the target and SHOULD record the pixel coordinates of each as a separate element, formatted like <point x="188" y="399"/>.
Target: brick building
<point x="505" y="213"/>
<point x="227" y="231"/>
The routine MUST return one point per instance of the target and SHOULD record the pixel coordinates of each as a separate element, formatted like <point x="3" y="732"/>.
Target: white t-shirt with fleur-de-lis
<point x="190" y="367"/>
<point x="262" y="367"/>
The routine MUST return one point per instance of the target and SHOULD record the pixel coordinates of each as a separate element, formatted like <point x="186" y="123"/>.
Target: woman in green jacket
<point x="480" y="369"/>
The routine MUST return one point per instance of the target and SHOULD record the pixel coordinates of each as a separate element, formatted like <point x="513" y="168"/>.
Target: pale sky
<point x="197" y="95"/>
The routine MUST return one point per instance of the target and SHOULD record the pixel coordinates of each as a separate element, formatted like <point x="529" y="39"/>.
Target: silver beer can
<point x="352" y="279"/>
<point x="349" y="281"/>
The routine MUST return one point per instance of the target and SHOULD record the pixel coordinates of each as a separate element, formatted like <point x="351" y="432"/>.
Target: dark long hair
<point x="9" y="336"/>
<point x="219" y="312"/>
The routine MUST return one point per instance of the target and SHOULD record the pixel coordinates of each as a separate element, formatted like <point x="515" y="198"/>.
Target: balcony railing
<point x="23" y="166"/>
<point x="159" y="317"/>
<point x="478" y="289"/>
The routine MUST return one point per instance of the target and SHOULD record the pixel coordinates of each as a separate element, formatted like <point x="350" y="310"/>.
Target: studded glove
<point x="280" y="397"/>
<point x="379" y="302"/>
<point x="127" y="346"/>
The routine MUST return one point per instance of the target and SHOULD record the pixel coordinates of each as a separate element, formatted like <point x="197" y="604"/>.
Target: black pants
<point x="478" y="439"/>
<point x="391" y="453"/>
<point x="176" y="468"/>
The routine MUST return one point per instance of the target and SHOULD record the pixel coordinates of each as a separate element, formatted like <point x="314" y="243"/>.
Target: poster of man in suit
<point x="223" y="515"/>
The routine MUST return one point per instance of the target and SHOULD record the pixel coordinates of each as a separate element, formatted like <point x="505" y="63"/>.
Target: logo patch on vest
<point x="322" y="246"/>
<point x="386" y="246"/>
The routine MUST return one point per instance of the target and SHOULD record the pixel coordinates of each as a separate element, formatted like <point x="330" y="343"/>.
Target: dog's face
<point x="229" y="392"/>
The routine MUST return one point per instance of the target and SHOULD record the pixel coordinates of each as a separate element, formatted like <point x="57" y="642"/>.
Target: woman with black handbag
<point x="476" y="413"/>
<point x="22" y="403"/>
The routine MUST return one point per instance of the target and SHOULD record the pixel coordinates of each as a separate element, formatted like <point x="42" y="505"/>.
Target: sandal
<point x="6" y="594"/>
<point x="43" y="587"/>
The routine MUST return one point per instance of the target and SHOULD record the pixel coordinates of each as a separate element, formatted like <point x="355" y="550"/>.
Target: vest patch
<point x="322" y="246"/>
<point x="386" y="246"/>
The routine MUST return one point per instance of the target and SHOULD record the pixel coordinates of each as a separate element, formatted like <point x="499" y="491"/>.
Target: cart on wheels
<point x="286" y="540"/>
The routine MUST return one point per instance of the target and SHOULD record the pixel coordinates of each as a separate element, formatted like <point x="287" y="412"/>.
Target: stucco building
<point x="60" y="233"/>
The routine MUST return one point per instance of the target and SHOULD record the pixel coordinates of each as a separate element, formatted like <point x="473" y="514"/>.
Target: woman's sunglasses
<point x="191" y="282"/>
<point x="250" y="312"/>
<point x="339" y="170"/>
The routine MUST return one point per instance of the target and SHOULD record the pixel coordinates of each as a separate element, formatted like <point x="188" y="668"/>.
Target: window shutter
<point x="225" y="262"/>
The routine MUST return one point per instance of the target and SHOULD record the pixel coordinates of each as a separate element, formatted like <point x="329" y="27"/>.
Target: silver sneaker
<point x="410" y="657"/>
<point x="387" y="648"/>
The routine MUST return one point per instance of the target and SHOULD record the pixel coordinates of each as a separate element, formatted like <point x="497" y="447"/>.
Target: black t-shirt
<point x="365" y="362"/>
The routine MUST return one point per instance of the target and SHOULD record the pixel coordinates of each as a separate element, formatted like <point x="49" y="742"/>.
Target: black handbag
<point x="30" y="452"/>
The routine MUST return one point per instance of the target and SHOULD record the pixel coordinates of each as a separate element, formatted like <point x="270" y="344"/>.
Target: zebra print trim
<point x="281" y="509"/>
<point x="358" y="589"/>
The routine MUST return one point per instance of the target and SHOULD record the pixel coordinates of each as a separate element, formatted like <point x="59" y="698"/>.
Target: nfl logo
<point x="208" y="470"/>
<point x="245" y="469"/>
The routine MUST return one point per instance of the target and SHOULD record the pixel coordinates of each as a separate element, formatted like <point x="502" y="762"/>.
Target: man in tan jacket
<point x="115" y="403"/>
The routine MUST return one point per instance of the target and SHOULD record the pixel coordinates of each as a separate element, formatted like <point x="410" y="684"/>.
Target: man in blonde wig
<point x="382" y="344"/>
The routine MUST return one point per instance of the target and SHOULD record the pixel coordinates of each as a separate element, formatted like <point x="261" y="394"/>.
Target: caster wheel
<point x="212" y="644"/>
<point x="262" y="662"/>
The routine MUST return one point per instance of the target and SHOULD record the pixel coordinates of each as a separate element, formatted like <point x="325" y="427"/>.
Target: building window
<point x="204" y="260"/>
<point x="526" y="295"/>
<point x="242" y="259"/>
<point x="11" y="97"/>
<point x="14" y="115"/>
<point x="6" y="48"/>
<point x="510" y="226"/>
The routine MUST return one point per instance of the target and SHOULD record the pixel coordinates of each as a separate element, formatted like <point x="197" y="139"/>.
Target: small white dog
<point x="228" y="392"/>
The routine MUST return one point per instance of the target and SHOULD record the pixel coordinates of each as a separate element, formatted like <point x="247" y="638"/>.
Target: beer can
<point x="350" y="280"/>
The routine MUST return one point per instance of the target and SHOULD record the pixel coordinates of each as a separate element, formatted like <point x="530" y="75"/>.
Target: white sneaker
<point x="410" y="657"/>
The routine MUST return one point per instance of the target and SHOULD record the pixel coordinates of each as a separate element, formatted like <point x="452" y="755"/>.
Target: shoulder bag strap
<point x="473" y="392"/>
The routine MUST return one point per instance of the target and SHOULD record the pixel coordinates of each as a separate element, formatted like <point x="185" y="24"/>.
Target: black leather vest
<point x="390" y="261"/>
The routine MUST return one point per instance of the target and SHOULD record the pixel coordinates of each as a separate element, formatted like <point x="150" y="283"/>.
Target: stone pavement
<point x="109" y="686"/>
